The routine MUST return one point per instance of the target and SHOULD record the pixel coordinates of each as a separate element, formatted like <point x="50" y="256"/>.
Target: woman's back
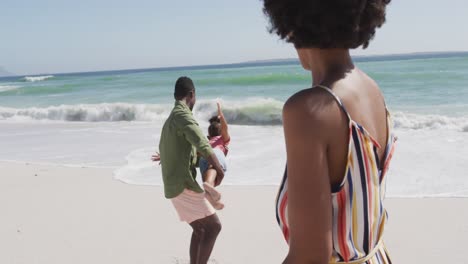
<point x="358" y="153"/>
<point x="355" y="99"/>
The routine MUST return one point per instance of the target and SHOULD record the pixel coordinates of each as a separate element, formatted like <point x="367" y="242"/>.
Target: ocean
<point x="113" y="119"/>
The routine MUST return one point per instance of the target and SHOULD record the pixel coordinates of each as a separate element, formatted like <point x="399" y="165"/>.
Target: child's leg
<point x="208" y="184"/>
<point x="218" y="205"/>
<point x="210" y="176"/>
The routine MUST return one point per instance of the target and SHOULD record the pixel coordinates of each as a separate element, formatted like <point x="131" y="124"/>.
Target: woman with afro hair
<point x="338" y="135"/>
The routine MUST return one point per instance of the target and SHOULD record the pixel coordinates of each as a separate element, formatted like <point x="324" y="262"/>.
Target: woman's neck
<point x="329" y="65"/>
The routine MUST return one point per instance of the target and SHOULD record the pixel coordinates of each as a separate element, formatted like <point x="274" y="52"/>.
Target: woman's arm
<point x="224" y="126"/>
<point x="309" y="193"/>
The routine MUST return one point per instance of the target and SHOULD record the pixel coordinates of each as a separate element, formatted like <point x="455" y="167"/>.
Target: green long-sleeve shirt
<point x="181" y="138"/>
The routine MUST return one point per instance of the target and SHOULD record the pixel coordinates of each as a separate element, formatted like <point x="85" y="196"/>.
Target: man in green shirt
<point x="181" y="139"/>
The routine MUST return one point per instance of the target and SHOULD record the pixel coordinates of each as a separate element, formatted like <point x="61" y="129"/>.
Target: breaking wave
<point x="37" y="78"/>
<point x="258" y="112"/>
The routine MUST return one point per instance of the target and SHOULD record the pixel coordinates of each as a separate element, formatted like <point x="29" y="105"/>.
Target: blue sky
<point x="52" y="36"/>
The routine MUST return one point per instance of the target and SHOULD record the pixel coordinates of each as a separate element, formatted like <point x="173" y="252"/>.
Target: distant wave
<point x="40" y="90"/>
<point x="258" y="79"/>
<point x="4" y="88"/>
<point x="37" y="78"/>
<point x="259" y="112"/>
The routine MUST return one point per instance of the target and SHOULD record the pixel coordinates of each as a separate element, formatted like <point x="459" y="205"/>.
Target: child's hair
<point x="215" y="127"/>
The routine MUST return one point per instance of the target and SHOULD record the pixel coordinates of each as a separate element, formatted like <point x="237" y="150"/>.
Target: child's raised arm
<point x="224" y="126"/>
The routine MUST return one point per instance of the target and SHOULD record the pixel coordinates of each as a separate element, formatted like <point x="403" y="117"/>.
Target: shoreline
<point x="113" y="170"/>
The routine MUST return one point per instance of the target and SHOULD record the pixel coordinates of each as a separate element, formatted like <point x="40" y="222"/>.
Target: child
<point x="219" y="138"/>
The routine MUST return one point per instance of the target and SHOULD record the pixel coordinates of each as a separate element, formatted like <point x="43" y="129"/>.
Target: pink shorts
<point x="192" y="206"/>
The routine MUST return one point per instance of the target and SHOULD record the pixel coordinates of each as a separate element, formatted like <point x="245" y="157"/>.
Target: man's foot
<point x="212" y="191"/>
<point x="218" y="205"/>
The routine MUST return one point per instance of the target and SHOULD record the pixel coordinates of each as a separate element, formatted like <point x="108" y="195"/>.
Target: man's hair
<point x="326" y="24"/>
<point x="183" y="87"/>
<point x="215" y="127"/>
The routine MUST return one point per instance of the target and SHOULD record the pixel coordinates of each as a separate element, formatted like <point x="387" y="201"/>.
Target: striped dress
<point x="359" y="215"/>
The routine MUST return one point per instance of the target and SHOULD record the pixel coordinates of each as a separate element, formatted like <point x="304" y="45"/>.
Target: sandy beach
<point x="54" y="214"/>
<point x="86" y="88"/>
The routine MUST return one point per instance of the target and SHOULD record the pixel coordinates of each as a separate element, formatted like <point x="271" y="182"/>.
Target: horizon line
<point x="278" y="61"/>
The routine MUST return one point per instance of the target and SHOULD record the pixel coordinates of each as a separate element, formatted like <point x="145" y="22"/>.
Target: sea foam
<point x="37" y="78"/>
<point x="256" y="112"/>
<point x="4" y="88"/>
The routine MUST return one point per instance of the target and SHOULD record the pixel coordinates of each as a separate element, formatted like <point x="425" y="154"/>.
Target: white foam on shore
<point x="427" y="162"/>
<point x="71" y="165"/>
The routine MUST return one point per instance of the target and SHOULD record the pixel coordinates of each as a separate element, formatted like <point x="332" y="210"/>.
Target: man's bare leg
<point x="205" y="232"/>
